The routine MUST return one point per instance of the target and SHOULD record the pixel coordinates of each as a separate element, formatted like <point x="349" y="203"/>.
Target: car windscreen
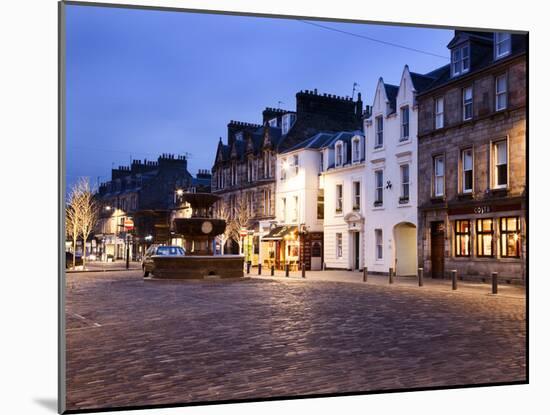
<point x="169" y="250"/>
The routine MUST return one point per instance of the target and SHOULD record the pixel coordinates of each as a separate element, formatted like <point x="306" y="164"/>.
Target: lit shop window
<point x="509" y="237"/>
<point x="462" y="238"/>
<point x="484" y="233"/>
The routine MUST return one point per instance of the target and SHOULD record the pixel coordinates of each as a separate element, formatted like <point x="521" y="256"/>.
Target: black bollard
<point x="303" y="270"/>
<point x="259" y="269"/>
<point x="494" y="277"/>
<point x="272" y="270"/>
<point x="365" y="274"/>
<point x="286" y="270"/>
<point x="453" y="279"/>
<point x="420" y="277"/>
<point x="391" y="276"/>
<point x="248" y="267"/>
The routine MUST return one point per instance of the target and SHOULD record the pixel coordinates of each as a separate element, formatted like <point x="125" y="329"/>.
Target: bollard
<point x="420" y="277"/>
<point x="259" y="269"/>
<point x="272" y="270"/>
<point x="286" y="270"/>
<point x="494" y="277"/>
<point x="365" y="274"/>
<point x="453" y="279"/>
<point x="303" y="270"/>
<point x="391" y="275"/>
<point x="248" y="267"/>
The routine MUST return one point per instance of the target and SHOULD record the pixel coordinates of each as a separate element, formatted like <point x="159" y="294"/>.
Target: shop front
<point x="283" y="247"/>
<point x="476" y="239"/>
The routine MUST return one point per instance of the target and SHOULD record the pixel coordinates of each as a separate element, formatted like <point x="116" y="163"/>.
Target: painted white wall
<point x="389" y="158"/>
<point x="304" y="185"/>
<point x="335" y="222"/>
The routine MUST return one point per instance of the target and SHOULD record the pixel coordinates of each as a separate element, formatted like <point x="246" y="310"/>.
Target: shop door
<point x="438" y="249"/>
<point x="316" y="254"/>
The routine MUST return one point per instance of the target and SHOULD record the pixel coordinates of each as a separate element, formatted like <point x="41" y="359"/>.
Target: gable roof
<point x="391" y="93"/>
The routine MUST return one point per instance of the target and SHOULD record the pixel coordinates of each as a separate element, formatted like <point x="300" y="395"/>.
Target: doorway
<point x="356" y="250"/>
<point x="438" y="249"/>
<point x="404" y="235"/>
<point x="316" y="256"/>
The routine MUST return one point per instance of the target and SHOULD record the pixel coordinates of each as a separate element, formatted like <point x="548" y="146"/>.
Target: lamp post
<point x="303" y="234"/>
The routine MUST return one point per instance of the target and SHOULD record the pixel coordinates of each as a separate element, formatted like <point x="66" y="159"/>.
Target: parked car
<point x="69" y="260"/>
<point x="148" y="265"/>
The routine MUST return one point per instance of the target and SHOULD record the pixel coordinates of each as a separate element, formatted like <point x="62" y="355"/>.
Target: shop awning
<point x="279" y="232"/>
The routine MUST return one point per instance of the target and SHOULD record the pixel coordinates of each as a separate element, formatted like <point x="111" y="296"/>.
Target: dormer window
<point x="503" y="44"/>
<point x="356" y="150"/>
<point x="339" y="149"/>
<point x="288" y="121"/>
<point x="460" y="60"/>
<point x="273" y="122"/>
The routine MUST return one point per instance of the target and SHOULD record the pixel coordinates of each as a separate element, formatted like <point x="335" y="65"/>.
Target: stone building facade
<point x="245" y="168"/>
<point x="472" y="156"/>
<point x="145" y="193"/>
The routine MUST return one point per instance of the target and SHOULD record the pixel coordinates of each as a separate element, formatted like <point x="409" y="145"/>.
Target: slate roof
<point x="257" y="137"/>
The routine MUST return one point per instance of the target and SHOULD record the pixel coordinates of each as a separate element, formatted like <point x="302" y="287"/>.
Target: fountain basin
<point x="198" y="267"/>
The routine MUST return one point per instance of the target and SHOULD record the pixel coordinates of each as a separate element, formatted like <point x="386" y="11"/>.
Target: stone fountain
<point x="199" y="232"/>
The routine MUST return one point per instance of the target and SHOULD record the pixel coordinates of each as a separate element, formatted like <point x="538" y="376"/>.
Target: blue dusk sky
<point x="145" y="82"/>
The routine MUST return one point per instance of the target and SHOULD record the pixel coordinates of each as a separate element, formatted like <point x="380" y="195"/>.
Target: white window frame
<point x="356" y="150"/>
<point x="464" y="170"/>
<point x="379" y="187"/>
<point x="460" y="56"/>
<point x="339" y="154"/>
<point x="378" y="244"/>
<point x="283" y="208"/>
<point x="439" y="113"/>
<point x="295" y="212"/>
<point x="283" y="169"/>
<point x="502" y="38"/>
<point x="437" y="177"/>
<point x="467" y="102"/>
<point x="339" y="247"/>
<point x="495" y="163"/>
<point x="288" y="122"/>
<point x="499" y="93"/>
<point x="405" y="184"/>
<point x="339" y="199"/>
<point x="379" y="132"/>
<point x="405" y="134"/>
<point x="296" y="163"/>
<point x="356" y="189"/>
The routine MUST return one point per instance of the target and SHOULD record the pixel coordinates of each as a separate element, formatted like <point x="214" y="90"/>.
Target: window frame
<point x="435" y="176"/>
<point x="378" y="245"/>
<point x="479" y="237"/>
<point x="339" y="199"/>
<point x="498" y="42"/>
<point x="501" y="93"/>
<point x="405" y="126"/>
<point x="339" y="154"/>
<point x="356" y="145"/>
<point x="463" y="171"/>
<point x="379" y="132"/>
<point x="356" y="200"/>
<point x="407" y="184"/>
<point x="494" y="165"/>
<point x="320" y="204"/>
<point x="339" y="245"/>
<point x="379" y="189"/>
<point x="466" y="104"/>
<point x="504" y="232"/>
<point x="463" y="60"/>
<point x="437" y="114"/>
<point x="459" y="234"/>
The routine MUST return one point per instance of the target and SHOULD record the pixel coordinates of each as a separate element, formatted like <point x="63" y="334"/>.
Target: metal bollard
<point x="248" y="267"/>
<point x="453" y="279"/>
<point x="391" y="275"/>
<point x="259" y="269"/>
<point x="272" y="270"/>
<point x="303" y="270"/>
<point x="365" y="274"/>
<point x="420" y="277"/>
<point x="286" y="270"/>
<point x="494" y="277"/>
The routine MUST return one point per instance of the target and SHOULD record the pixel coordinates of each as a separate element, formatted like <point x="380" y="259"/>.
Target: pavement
<point x="134" y="342"/>
<point x="94" y="266"/>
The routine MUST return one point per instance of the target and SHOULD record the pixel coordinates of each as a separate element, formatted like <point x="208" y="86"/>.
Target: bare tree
<point x="223" y="212"/>
<point x="81" y="215"/>
<point x="241" y="218"/>
<point x="72" y="219"/>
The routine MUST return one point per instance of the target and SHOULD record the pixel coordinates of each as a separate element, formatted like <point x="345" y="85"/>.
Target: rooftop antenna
<point x="355" y="85"/>
<point x="279" y="104"/>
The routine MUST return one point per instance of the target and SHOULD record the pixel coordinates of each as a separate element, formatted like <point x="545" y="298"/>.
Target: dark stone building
<point x="244" y="168"/>
<point x="144" y="192"/>
<point x="472" y="142"/>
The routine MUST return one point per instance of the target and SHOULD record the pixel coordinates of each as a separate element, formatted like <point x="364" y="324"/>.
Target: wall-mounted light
<point x="388" y="185"/>
<point x="179" y="192"/>
<point x="107" y="208"/>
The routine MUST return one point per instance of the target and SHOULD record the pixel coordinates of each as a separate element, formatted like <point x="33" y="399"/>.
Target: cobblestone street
<point x="135" y="342"/>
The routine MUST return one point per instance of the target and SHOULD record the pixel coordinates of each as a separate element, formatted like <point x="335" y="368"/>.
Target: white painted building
<point x="391" y="176"/>
<point x="342" y="182"/>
